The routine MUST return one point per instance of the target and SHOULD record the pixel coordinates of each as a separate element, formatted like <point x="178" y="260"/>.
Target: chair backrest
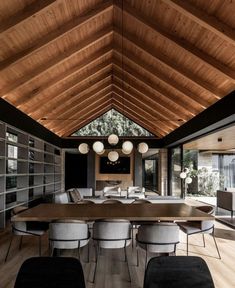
<point x="61" y="198"/>
<point x="112" y="201"/>
<point x="85" y="202"/>
<point x="74" y="195"/>
<point x="207" y="225"/>
<point x="19" y="227"/>
<point x="159" y="237"/>
<point x="74" y="233"/>
<point x="141" y="201"/>
<point x="178" y="271"/>
<point x="207" y="209"/>
<point x="112" y="233"/>
<point x="54" y="272"/>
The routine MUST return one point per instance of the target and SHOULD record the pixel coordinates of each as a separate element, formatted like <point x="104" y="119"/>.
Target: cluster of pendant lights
<point x="113" y="139"/>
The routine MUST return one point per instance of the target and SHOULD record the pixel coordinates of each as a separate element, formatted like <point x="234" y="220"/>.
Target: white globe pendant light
<point x="125" y="152"/>
<point x="143" y="147"/>
<point x="127" y="147"/>
<point x="98" y="147"/>
<point x="113" y="139"/>
<point x="183" y="175"/>
<point x="102" y="152"/>
<point x="113" y="156"/>
<point x="83" y="148"/>
<point x="188" y="180"/>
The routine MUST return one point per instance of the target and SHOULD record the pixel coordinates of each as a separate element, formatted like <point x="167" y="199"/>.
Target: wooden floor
<point x="112" y="270"/>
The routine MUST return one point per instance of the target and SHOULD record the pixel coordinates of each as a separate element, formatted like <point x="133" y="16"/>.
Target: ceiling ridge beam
<point x="205" y="20"/>
<point x="49" y="99"/>
<point x="161" y="77"/>
<point x="84" y="64"/>
<point x="153" y="86"/>
<point x="66" y="55"/>
<point x="81" y="114"/>
<point x="97" y="112"/>
<point x="180" y="43"/>
<point x="153" y="106"/>
<point x="151" y="118"/>
<point x="24" y="14"/>
<point x="78" y="99"/>
<point x="164" y="60"/>
<point x="57" y="34"/>
<point x="132" y="115"/>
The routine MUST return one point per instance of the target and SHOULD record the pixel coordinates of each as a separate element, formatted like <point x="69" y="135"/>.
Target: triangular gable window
<point x="112" y="122"/>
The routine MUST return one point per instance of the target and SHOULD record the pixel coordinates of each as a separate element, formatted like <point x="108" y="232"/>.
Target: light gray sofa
<point x="64" y="197"/>
<point x="226" y="200"/>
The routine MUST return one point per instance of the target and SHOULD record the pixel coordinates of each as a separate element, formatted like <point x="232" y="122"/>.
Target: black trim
<point x="13" y="116"/>
<point x="217" y="116"/>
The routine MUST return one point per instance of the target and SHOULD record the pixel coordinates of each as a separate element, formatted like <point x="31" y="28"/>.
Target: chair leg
<point x="40" y="244"/>
<point x="187" y="244"/>
<point x="137" y="258"/>
<point x="21" y="240"/>
<point x="146" y="257"/>
<point x="127" y="265"/>
<point x="8" y="250"/>
<point x="96" y="263"/>
<point x="125" y="258"/>
<point x="203" y="237"/>
<point x="132" y="236"/>
<point x="88" y="253"/>
<point x="217" y="248"/>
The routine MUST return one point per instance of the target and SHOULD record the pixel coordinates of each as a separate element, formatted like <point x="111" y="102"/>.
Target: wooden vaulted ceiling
<point x="159" y="62"/>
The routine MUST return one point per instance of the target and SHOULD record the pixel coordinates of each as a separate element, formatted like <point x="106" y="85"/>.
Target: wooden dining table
<point x="132" y="212"/>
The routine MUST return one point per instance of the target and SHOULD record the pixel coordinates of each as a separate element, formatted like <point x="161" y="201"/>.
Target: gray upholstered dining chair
<point x="135" y="224"/>
<point x="68" y="234"/>
<point x="158" y="238"/>
<point x="200" y="227"/>
<point x="112" y="201"/>
<point x="23" y="228"/>
<point x="111" y="234"/>
<point x="53" y="272"/>
<point x="178" y="271"/>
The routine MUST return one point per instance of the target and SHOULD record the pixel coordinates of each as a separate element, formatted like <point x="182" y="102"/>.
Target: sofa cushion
<point x="75" y="195"/>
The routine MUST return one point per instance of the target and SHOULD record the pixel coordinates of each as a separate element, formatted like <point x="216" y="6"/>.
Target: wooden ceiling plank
<point x="164" y="79"/>
<point x="90" y="41"/>
<point x="36" y="111"/>
<point x="93" y="100"/>
<point x="151" y="114"/>
<point x="81" y="115"/>
<point x="180" y="43"/>
<point x="150" y="84"/>
<point x="58" y="33"/>
<point x="158" y="115"/>
<point x="138" y="90"/>
<point x="144" y="114"/>
<point x="205" y="20"/>
<point x="84" y="64"/>
<point x="100" y="110"/>
<point x="57" y="123"/>
<point x="26" y="13"/>
<point x="71" y="106"/>
<point x="136" y="118"/>
<point x="163" y="59"/>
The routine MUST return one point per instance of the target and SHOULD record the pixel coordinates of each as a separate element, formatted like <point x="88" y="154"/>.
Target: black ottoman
<point x="177" y="272"/>
<point x="50" y="272"/>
